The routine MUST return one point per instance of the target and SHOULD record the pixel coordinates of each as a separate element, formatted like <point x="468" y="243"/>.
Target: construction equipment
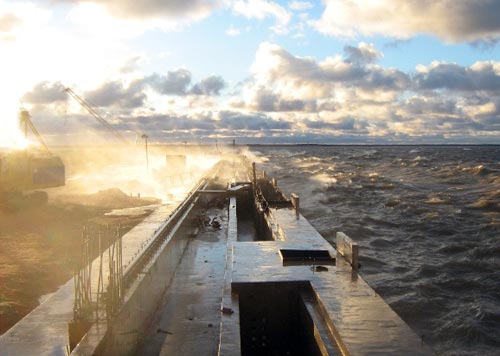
<point x="95" y="114"/>
<point x="87" y="106"/>
<point x="29" y="169"/>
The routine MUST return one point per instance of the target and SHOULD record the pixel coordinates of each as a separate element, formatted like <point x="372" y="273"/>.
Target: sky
<point x="258" y="71"/>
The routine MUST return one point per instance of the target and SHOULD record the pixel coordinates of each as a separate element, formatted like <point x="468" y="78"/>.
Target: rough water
<point x="428" y="223"/>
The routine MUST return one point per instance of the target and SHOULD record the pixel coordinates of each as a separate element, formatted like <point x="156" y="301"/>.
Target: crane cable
<point x="95" y="114"/>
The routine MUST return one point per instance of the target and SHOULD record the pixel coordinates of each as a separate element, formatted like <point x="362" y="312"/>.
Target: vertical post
<point x="349" y="249"/>
<point x="296" y="204"/>
<point x="254" y="175"/>
<point x="355" y="254"/>
<point x="145" y="137"/>
<point x="274" y="182"/>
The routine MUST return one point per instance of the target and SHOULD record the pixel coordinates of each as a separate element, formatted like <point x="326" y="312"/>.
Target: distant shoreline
<point x="226" y="144"/>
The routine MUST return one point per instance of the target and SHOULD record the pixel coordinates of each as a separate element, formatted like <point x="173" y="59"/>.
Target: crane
<point x="22" y="172"/>
<point x="95" y="114"/>
<point x="26" y="124"/>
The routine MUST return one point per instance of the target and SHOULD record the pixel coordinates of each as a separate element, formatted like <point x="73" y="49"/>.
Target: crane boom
<point x="95" y="114"/>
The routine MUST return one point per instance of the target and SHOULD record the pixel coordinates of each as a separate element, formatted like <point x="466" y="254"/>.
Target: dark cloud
<point x="207" y="123"/>
<point x="490" y="122"/>
<point x="364" y="53"/>
<point x="378" y="78"/>
<point x="116" y="94"/>
<point x="233" y="120"/>
<point x="474" y="98"/>
<point x="481" y="76"/>
<point x="209" y="86"/>
<point x="418" y="106"/>
<point x="328" y="106"/>
<point x="178" y="82"/>
<point x="451" y="20"/>
<point x="452" y="124"/>
<point x="267" y="101"/>
<point x="170" y="122"/>
<point x="344" y="124"/>
<point x="173" y="83"/>
<point x="472" y="19"/>
<point x="45" y="93"/>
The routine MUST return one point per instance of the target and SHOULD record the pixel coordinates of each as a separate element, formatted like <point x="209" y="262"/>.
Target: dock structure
<point x="234" y="270"/>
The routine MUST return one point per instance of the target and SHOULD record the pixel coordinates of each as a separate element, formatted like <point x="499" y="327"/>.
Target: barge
<point x="234" y="269"/>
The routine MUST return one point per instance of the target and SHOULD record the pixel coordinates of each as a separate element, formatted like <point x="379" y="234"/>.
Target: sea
<point x="427" y="219"/>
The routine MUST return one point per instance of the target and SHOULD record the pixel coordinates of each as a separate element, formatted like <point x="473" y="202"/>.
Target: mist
<point x="91" y="169"/>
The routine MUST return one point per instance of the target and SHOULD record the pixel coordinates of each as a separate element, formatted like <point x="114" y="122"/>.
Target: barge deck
<point x="234" y="270"/>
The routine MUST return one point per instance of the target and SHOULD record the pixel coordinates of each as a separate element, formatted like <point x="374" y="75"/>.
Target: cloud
<point x="441" y="106"/>
<point x="266" y="100"/>
<point x="343" y="124"/>
<point x="18" y="18"/>
<point x="346" y="97"/>
<point x="364" y="53"/>
<point x="211" y="85"/>
<point x="230" y="122"/>
<point x="177" y="82"/>
<point x="479" y="76"/>
<point x="114" y="93"/>
<point x="233" y="31"/>
<point x="307" y="79"/>
<point x="118" y="94"/>
<point x="170" y="122"/>
<point x="173" y="9"/>
<point x="450" y="20"/>
<point x="173" y="83"/>
<point x="131" y="64"/>
<point x="347" y="94"/>
<point x="261" y="9"/>
<point x="237" y="121"/>
<point x="300" y="5"/>
<point x="45" y="93"/>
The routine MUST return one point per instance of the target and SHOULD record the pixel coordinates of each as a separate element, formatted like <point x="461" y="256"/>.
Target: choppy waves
<point x="428" y="222"/>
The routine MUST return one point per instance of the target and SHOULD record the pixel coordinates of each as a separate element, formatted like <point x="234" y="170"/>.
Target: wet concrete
<point x="361" y="322"/>
<point x="45" y="330"/>
<point x="188" y="320"/>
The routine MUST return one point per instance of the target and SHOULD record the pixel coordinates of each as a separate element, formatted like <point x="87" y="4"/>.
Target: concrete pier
<point x="239" y="271"/>
<point x="45" y="330"/>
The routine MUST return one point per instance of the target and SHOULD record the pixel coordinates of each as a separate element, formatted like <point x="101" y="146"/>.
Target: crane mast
<point x="26" y="124"/>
